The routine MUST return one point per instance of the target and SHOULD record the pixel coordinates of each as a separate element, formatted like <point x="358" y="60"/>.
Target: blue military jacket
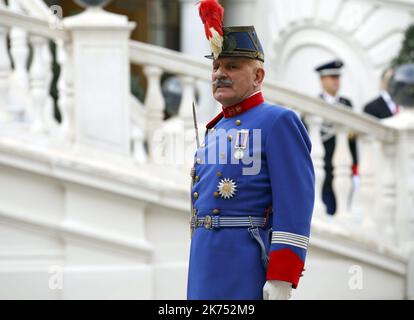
<point x="273" y="172"/>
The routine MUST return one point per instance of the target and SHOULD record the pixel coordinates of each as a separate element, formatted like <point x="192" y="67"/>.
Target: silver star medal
<point x="241" y="143"/>
<point x="227" y="188"/>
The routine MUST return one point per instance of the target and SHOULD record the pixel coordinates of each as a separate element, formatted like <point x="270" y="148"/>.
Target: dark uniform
<point x="380" y="109"/>
<point x="329" y="140"/>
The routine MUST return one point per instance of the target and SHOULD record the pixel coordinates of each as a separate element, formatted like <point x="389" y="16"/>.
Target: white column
<point x="195" y="43"/>
<point x="101" y="81"/>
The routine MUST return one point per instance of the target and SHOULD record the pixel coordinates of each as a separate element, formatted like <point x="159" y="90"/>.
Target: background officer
<point x="330" y="77"/>
<point x="383" y="106"/>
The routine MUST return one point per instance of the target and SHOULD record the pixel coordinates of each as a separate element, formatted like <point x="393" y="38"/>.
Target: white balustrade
<point x="314" y="126"/>
<point x="154" y="105"/>
<point x="342" y="182"/>
<point x="375" y="210"/>
<point x="38" y="85"/>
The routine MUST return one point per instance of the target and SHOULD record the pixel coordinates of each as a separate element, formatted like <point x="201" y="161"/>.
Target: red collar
<point x="234" y="110"/>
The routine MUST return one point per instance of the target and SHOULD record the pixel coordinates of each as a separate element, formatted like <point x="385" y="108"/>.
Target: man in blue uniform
<point x="253" y="186"/>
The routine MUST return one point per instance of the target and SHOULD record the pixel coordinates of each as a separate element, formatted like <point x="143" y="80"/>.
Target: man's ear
<point x="260" y="74"/>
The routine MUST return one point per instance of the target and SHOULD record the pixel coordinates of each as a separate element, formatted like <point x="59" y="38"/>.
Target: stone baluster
<point x="366" y="209"/>
<point x="49" y="115"/>
<point x="186" y="115"/>
<point x="314" y="126"/>
<point x="342" y="181"/>
<point x="154" y="105"/>
<point x="65" y="88"/>
<point x="5" y="70"/>
<point x="38" y="85"/>
<point x="19" y="101"/>
<point x="188" y="97"/>
<point x="388" y="199"/>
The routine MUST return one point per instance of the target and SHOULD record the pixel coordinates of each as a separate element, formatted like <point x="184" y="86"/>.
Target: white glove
<point x="277" y="290"/>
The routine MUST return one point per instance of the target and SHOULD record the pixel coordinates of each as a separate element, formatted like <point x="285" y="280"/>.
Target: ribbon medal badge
<point x="240" y="145"/>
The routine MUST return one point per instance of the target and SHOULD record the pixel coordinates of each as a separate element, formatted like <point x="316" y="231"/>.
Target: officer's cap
<point x="332" y="68"/>
<point x="241" y="42"/>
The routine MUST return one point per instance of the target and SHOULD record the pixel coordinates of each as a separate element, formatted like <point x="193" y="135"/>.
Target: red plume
<point x="211" y="14"/>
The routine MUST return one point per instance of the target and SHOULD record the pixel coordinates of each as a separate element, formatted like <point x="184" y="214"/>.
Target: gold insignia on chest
<point x="227" y="188"/>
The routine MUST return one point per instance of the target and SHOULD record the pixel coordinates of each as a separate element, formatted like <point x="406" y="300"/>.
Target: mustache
<point x="222" y="82"/>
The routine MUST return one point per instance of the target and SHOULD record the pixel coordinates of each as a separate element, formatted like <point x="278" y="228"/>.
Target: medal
<point x="227" y="188"/>
<point x="238" y="154"/>
<point x="241" y="143"/>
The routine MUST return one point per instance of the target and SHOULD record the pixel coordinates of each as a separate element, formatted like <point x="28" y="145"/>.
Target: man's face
<point x="237" y="78"/>
<point x="331" y="84"/>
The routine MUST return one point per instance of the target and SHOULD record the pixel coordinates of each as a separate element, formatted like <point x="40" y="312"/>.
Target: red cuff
<point x="285" y="265"/>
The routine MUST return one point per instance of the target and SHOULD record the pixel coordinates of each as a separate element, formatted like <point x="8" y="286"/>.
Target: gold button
<point x="194" y="211"/>
<point x="197" y="178"/>
<point x="238" y="122"/>
<point x="203" y="145"/>
<point x="216" y="211"/>
<point x="198" y="160"/>
<point x="219" y="174"/>
<point x="216" y="194"/>
<point x="195" y="195"/>
<point x="229" y="137"/>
